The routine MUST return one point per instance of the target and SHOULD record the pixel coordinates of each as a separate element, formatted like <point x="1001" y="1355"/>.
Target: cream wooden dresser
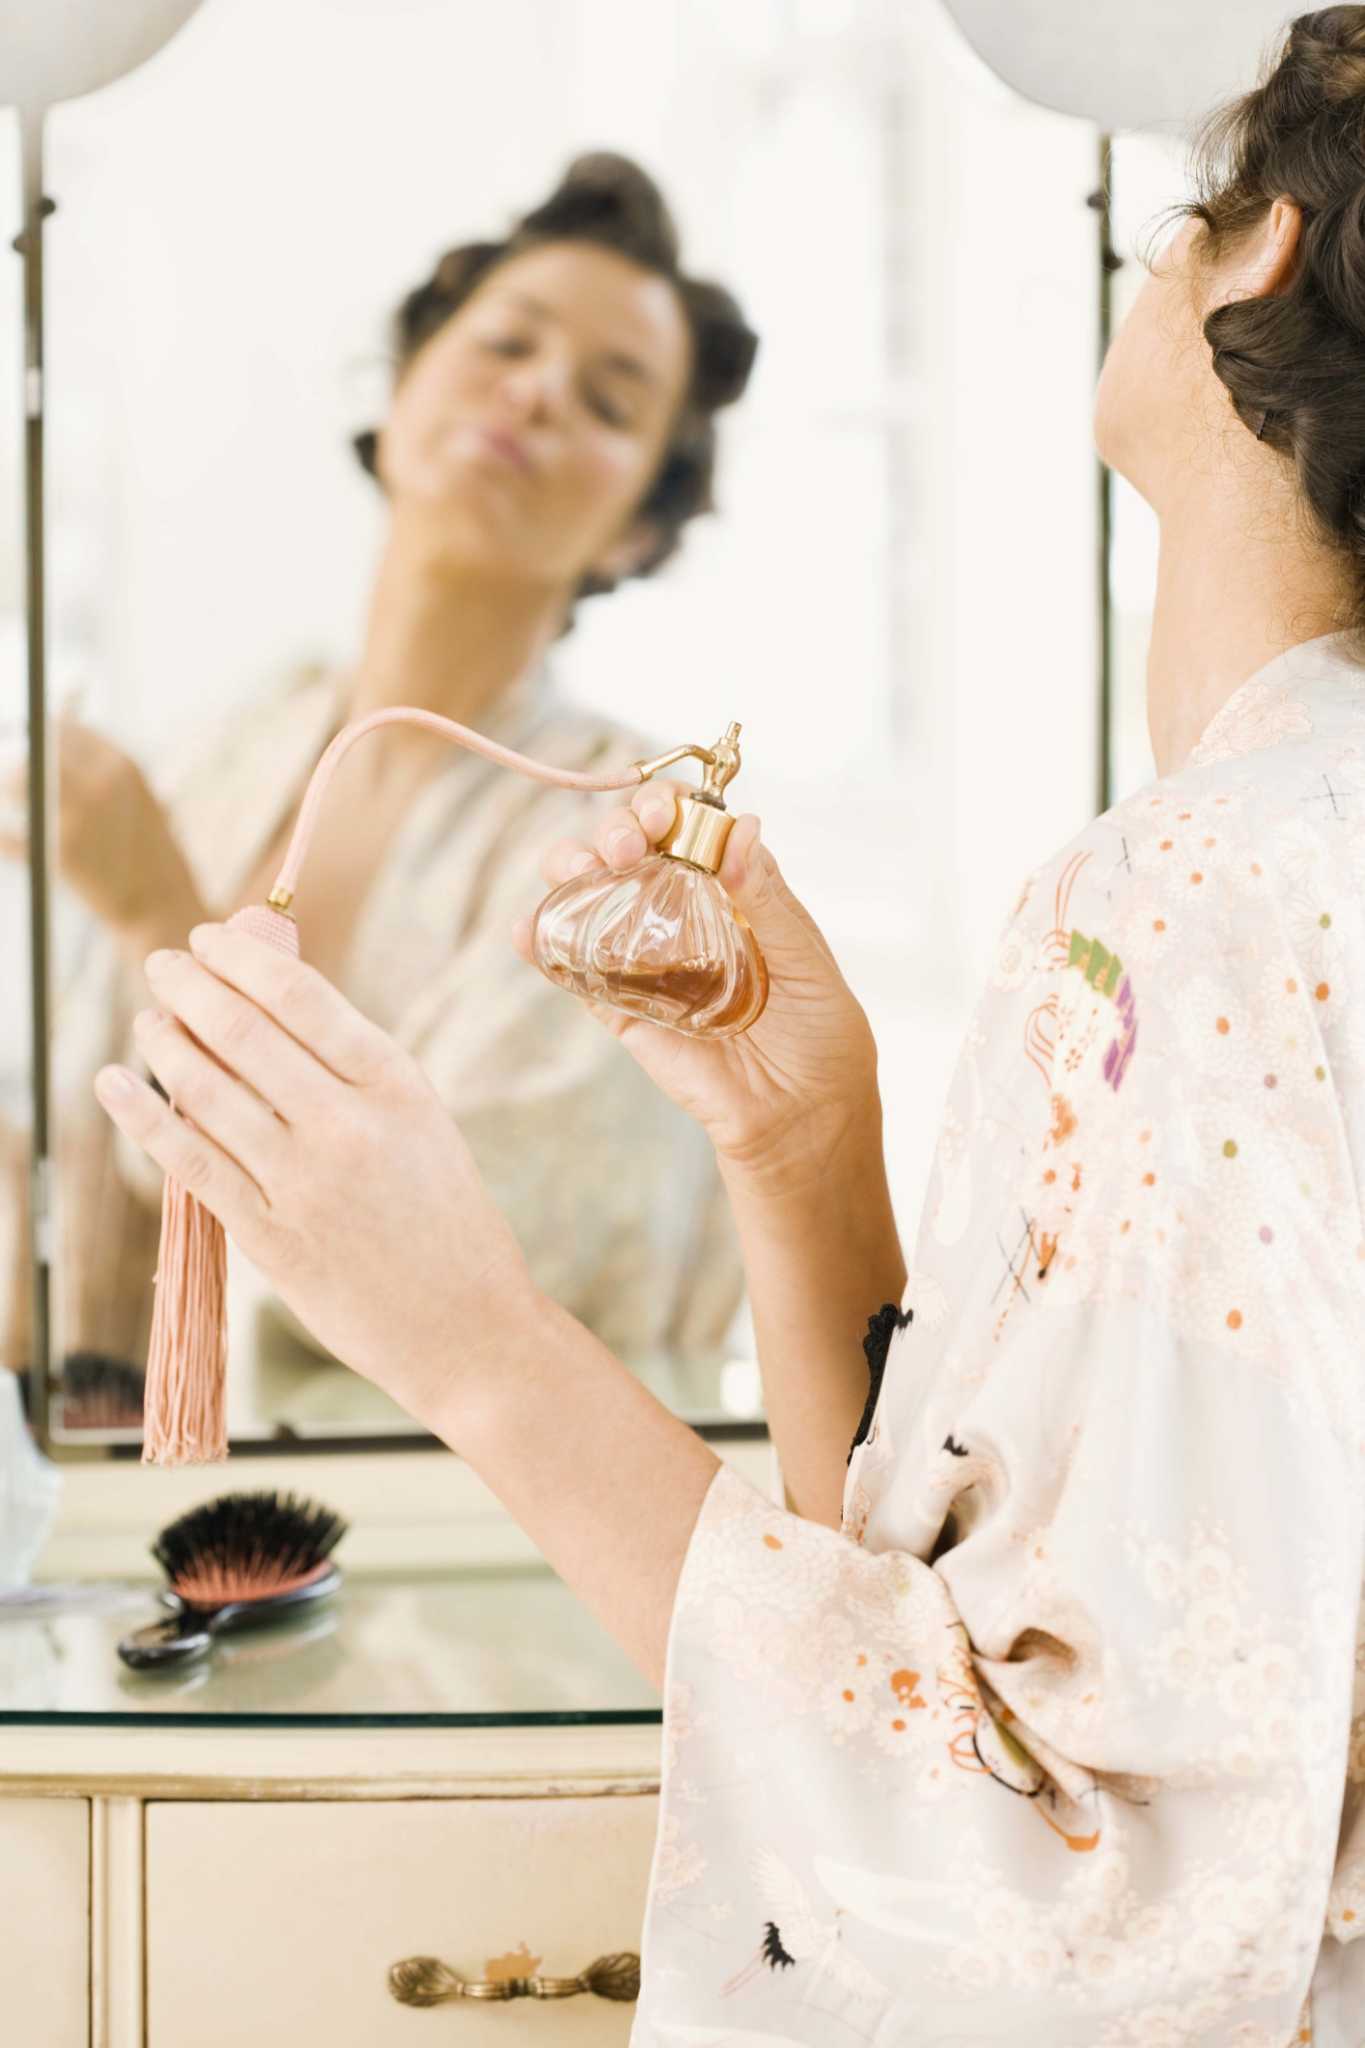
<point x="453" y="1762"/>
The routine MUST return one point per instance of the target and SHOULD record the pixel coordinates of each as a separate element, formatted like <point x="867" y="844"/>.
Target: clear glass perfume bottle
<point x="663" y="940"/>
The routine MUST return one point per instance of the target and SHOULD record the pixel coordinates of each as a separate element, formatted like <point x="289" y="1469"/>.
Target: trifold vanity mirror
<point x="250" y="235"/>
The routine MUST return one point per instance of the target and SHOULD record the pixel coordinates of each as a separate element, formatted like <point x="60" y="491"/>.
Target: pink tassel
<point x="185" y="1413"/>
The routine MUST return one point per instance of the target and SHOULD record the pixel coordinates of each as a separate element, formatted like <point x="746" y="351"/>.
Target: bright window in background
<point x="897" y="599"/>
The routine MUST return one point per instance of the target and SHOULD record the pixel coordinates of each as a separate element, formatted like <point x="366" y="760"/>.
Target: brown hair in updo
<point x="1294" y="362"/>
<point x="608" y="200"/>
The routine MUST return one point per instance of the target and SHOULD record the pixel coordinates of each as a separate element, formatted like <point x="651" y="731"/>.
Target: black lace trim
<point x="876" y="1344"/>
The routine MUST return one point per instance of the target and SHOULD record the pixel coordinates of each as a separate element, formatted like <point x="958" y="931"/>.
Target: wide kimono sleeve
<point x="1048" y="1743"/>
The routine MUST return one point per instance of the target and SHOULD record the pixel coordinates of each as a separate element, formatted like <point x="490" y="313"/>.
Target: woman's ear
<point x="1271" y="253"/>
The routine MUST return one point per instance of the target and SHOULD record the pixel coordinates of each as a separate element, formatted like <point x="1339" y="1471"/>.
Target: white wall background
<point x="898" y="600"/>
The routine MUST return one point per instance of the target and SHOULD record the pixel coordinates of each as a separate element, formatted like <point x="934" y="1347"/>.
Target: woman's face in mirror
<point x="531" y="425"/>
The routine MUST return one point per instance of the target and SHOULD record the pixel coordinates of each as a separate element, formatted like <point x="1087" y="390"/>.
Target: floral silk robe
<point x="1060" y="1740"/>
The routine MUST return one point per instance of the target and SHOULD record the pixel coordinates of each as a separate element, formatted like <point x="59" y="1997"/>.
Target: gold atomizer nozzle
<point x="702" y="826"/>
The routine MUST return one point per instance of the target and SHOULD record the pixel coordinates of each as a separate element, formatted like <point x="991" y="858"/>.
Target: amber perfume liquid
<point x="661" y="940"/>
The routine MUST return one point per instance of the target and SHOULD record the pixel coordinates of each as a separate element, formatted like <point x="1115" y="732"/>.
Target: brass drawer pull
<point x="426" y="1980"/>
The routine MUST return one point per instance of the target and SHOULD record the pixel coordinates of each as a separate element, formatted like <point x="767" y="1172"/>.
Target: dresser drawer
<point x="45" y="1917"/>
<point x="276" y="1923"/>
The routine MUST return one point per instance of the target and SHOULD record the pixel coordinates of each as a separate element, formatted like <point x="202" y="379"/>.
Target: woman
<point x="1031" y="1719"/>
<point x="552" y="431"/>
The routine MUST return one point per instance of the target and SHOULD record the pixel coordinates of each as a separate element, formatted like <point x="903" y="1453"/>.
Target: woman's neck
<point x="1238" y="581"/>
<point x="446" y="638"/>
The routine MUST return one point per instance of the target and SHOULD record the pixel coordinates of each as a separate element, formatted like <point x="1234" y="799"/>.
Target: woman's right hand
<point x="780" y="1099"/>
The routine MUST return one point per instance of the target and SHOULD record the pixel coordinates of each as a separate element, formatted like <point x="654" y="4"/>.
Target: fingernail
<point x="113" y="1081"/>
<point x="655" y="813"/>
<point x="582" y="863"/>
<point x="161" y="958"/>
<point x="620" y="841"/>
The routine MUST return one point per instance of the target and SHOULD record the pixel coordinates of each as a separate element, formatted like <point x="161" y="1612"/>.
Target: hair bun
<point x="609" y="199"/>
<point x="1328" y="50"/>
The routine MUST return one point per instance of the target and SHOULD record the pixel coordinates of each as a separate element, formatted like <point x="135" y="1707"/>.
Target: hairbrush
<point x="97" y="1391"/>
<point x="236" y="1562"/>
<point x="101" y="1392"/>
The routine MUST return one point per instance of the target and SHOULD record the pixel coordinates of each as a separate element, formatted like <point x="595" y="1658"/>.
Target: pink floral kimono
<point x="1060" y="1740"/>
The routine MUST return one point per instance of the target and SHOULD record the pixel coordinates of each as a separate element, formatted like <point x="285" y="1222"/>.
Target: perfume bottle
<point x="662" y="940"/>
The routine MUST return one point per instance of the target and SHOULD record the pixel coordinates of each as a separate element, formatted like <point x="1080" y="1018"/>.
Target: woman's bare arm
<point x="821" y="1254"/>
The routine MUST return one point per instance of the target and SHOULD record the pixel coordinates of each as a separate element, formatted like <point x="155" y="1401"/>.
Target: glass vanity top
<point x="499" y="1647"/>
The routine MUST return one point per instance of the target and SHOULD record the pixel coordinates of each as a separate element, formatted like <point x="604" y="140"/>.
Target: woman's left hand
<point x="330" y="1161"/>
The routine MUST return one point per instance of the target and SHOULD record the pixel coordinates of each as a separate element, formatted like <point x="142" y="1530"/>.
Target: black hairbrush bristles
<point x="241" y="1561"/>
<point x="245" y="1546"/>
